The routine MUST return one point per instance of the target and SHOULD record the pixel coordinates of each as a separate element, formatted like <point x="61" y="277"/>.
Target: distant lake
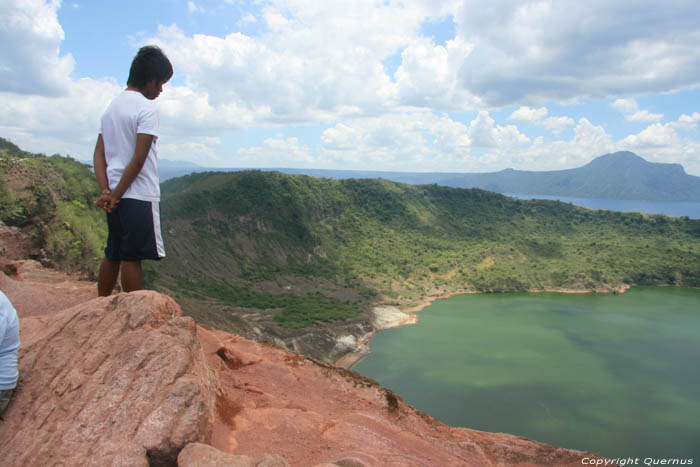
<point x="617" y="375"/>
<point x="669" y="208"/>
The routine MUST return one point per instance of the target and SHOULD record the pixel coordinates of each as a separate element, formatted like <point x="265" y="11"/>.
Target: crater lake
<point x="618" y="375"/>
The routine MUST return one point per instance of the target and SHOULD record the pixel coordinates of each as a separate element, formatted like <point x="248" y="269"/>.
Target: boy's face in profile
<point x="152" y="89"/>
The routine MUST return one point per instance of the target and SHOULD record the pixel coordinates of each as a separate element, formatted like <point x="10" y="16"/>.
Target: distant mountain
<point x="621" y="175"/>
<point x="172" y="169"/>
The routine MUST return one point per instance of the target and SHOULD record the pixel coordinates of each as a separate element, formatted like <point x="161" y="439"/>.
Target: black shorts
<point x="134" y="231"/>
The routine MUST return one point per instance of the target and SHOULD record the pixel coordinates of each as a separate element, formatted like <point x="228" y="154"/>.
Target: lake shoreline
<point x="349" y="360"/>
<point x="538" y="365"/>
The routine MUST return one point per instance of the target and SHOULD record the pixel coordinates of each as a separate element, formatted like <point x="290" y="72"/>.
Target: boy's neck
<point x="135" y="89"/>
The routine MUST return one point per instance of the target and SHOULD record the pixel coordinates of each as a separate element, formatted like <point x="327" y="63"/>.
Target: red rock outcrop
<point x="120" y="380"/>
<point x="315" y="414"/>
<point x="126" y="380"/>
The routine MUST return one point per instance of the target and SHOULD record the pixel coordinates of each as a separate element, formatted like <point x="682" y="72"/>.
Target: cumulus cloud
<point x="202" y="150"/>
<point x="416" y="141"/>
<point x="67" y="124"/>
<point x="29" y="58"/>
<point x="533" y="116"/>
<point x="630" y="108"/>
<point x="644" y="116"/>
<point x="557" y="124"/>
<point x="662" y="143"/>
<point x="687" y="122"/>
<point x="313" y="62"/>
<point x="656" y="135"/>
<point x="536" y="51"/>
<point x="319" y="61"/>
<point x="427" y="76"/>
<point x="528" y="115"/>
<point x="274" y="83"/>
<point x="277" y="152"/>
<point x="625" y="106"/>
<point x="419" y="141"/>
<point x="589" y="140"/>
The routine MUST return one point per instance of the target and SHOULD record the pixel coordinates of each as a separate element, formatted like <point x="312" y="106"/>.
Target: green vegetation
<point x="372" y="234"/>
<point x="291" y="310"/>
<point x="314" y="250"/>
<point x="51" y="198"/>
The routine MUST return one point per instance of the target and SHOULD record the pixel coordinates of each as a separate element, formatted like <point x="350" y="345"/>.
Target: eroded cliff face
<point x="126" y="380"/>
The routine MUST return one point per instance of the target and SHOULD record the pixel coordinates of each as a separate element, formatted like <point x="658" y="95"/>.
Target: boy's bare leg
<point x="109" y="272"/>
<point x="131" y="276"/>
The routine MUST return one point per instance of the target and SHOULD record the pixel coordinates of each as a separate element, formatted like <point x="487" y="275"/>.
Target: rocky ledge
<point x="127" y="380"/>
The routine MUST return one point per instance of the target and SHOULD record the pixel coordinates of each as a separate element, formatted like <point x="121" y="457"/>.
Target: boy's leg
<point x="131" y="276"/>
<point x="109" y="272"/>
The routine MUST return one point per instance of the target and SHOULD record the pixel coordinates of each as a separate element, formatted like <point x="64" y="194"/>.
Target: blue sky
<point x="411" y="85"/>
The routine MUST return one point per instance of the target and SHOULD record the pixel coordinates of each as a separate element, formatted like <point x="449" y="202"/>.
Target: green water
<point x="618" y="375"/>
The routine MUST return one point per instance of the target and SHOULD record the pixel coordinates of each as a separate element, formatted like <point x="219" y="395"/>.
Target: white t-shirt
<point x="128" y="114"/>
<point x="9" y="344"/>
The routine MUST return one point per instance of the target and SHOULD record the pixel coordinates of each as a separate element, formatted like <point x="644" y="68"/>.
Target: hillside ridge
<point x="272" y="242"/>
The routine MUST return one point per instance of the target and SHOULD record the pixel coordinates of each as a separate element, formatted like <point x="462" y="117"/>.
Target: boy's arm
<point x="133" y="168"/>
<point x="99" y="163"/>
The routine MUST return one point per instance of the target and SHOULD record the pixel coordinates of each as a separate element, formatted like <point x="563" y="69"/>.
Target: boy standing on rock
<point x="126" y="168"/>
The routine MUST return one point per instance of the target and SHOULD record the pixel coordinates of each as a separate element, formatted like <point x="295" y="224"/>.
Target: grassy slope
<point x="52" y="198"/>
<point x="402" y="241"/>
<point x="316" y="250"/>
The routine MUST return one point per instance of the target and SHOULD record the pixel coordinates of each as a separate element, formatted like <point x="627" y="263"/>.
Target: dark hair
<point x="149" y="63"/>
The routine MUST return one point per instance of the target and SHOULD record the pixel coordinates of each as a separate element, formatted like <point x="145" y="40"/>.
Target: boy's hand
<point x="106" y="201"/>
<point x="112" y="203"/>
<point x="102" y="200"/>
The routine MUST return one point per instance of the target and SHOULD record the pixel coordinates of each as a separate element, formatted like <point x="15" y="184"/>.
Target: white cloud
<point x="589" y="141"/>
<point x="484" y="133"/>
<point x="387" y="142"/>
<point x="202" y="150"/>
<point x="273" y="82"/>
<point x="644" y="116"/>
<point x="414" y="141"/>
<point x="427" y="76"/>
<point x="536" y="117"/>
<point x="278" y="152"/>
<point x="630" y="108"/>
<point x="319" y="61"/>
<point x="661" y="143"/>
<point x="656" y="135"/>
<point x="67" y="124"/>
<point x="529" y="115"/>
<point x="324" y="63"/>
<point x="625" y="106"/>
<point x="29" y="57"/>
<point x="247" y="19"/>
<point x="687" y="122"/>
<point x="536" y="51"/>
<point x="419" y="141"/>
<point x="557" y="124"/>
<point x="194" y="8"/>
